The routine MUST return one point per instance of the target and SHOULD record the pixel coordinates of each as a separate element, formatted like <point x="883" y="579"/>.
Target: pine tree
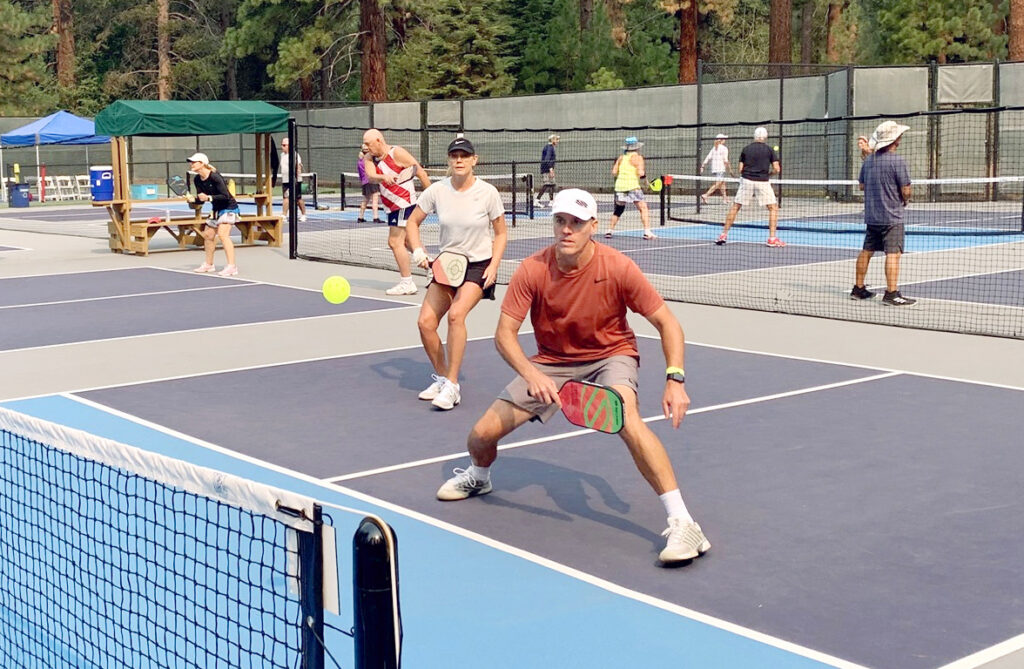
<point x="946" y="31"/>
<point x="26" y="87"/>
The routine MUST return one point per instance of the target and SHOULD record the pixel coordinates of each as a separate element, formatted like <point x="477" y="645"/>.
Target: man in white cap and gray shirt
<point x="718" y="156"/>
<point x="757" y="162"/>
<point x="885" y="180"/>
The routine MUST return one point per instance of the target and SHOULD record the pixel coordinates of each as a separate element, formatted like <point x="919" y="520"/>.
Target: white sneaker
<point x="448" y="397"/>
<point x="461" y="486"/>
<point x="434" y="389"/>
<point x="686" y="541"/>
<point x="302" y="218"/>
<point x="403" y="287"/>
<point x="650" y="235"/>
<point x="205" y="267"/>
<point x="229" y="270"/>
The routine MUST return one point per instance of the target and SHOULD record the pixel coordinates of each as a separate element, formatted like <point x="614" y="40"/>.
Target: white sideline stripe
<point x="608" y="586"/>
<point x="576" y="433"/>
<point x="990" y="654"/>
<point x="118" y="297"/>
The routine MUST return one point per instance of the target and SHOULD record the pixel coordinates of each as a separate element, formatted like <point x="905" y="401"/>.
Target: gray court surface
<point x="874" y="516"/>
<point x="998" y="288"/>
<point x="59" y="309"/>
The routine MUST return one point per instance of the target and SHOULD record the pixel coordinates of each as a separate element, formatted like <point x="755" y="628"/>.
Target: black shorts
<point x="286" y="190"/>
<point x="398" y="217"/>
<point x="370" y="189"/>
<point x="475" y="274"/>
<point x="888" y="238"/>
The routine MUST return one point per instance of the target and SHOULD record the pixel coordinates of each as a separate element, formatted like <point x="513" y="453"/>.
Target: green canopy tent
<point x="163" y="118"/>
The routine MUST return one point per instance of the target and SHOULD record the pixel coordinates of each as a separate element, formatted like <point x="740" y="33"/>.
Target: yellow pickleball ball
<point x="336" y="289"/>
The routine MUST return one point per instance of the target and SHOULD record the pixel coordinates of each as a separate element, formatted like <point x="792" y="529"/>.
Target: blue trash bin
<point x="19" y="195"/>
<point x="101" y="183"/>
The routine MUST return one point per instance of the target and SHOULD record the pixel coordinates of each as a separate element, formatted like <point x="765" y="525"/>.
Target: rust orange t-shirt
<point x="580" y="316"/>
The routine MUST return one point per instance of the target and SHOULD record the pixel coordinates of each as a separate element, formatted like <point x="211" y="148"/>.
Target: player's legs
<point x="645" y="214"/>
<point x="730" y="217"/>
<point x="301" y="203"/>
<point x="892" y="271"/>
<point x="773" y="219"/>
<point x="466" y="297"/>
<point x="644" y="446"/>
<point x="375" y="204"/>
<point x="209" y="242"/>
<point x="399" y="247"/>
<point x="861" y="271"/>
<point x="500" y="419"/>
<point x="224" y="233"/>
<point x="435" y="305"/>
<point x="617" y="211"/>
<point x="284" y="201"/>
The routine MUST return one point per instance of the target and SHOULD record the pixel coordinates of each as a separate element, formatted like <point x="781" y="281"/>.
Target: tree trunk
<point x="586" y="14"/>
<point x="163" y="50"/>
<point x="374" y="66"/>
<point x="780" y="38"/>
<point x="63" y="25"/>
<point x="230" y="62"/>
<point x="807" y="35"/>
<point x="1016" y="45"/>
<point x="688" y="43"/>
<point x="835" y="13"/>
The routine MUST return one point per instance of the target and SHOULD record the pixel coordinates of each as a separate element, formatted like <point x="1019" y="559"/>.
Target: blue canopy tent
<point x="58" y="128"/>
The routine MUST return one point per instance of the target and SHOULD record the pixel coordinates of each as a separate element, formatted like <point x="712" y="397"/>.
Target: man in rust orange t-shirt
<point x="576" y="293"/>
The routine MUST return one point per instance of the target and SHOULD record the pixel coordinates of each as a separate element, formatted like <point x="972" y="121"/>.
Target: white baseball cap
<point x="575" y="202"/>
<point x="198" y="157"/>
<point x="721" y="136"/>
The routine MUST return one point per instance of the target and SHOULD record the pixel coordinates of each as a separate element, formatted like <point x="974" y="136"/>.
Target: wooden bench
<point x="133" y="236"/>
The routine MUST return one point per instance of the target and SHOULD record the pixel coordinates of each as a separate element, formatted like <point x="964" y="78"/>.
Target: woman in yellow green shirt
<point x="628" y="172"/>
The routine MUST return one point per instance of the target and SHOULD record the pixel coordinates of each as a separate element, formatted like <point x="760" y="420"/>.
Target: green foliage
<point x="26" y="87"/>
<point x="603" y="80"/>
<point x="454" y="50"/>
<point x="947" y="31"/>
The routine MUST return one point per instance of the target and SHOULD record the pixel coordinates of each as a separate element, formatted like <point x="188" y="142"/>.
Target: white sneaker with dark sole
<point x="462" y="486"/>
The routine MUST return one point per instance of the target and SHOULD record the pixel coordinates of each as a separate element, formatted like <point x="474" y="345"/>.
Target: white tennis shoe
<point x="448" y="397"/>
<point x="686" y="541"/>
<point x="403" y="287"/>
<point x="204" y="268"/>
<point x="434" y="389"/>
<point x="461" y="486"/>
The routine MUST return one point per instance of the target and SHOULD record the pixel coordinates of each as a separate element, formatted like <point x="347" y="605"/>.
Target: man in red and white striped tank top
<point x="394" y="168"/>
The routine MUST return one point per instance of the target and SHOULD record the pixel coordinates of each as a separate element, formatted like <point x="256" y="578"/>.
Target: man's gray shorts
<point x="618" y="370"/>
<point x="888" y="238"/>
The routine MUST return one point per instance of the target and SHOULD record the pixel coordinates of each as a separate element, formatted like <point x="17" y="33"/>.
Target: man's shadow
<point x="567" y="488"/>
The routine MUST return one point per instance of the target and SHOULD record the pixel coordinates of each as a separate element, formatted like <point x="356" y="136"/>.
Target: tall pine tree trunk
<point x="780" y="37"/>
<point x="374" y="64"/>
<point x="586" y="14"/>
<point x="807" y="35"/>
<point x="230" y="63"/>
<point x="688" y="43"/>
<point x="163" y="50"/>
<point x="1016" y="45"/>
<point x="63" y="25"/>
<point x="835" y="13"/>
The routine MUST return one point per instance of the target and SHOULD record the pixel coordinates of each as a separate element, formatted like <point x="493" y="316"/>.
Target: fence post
<point x="700" y="128"/>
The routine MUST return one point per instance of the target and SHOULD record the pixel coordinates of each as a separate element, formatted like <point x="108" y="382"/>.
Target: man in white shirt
<point x="718" y="156"/>
<point x="286" y="185"/>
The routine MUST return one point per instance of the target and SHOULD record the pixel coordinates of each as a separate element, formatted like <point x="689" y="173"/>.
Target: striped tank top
<point x="628" y="178"/>
<point x="402" y="193"/>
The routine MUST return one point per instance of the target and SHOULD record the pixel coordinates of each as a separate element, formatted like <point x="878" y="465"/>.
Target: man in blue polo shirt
<point x="885" y="180"/>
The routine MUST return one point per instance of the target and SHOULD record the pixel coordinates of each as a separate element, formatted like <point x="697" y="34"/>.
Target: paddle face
<point x="449" y="268"/>
<point x="655" y="185"/>
<point x="177" y="185"/>
<point x="592" y="406"/>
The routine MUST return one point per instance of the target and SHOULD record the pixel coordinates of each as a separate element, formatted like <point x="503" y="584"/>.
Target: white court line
<point x="71" y="272"/>
<point x="576" y="433"/>
<point x="662" y="248"/>
<point x="118" y="297"/>
<point x="990" y="654"/>
<point x="558" y="567"/>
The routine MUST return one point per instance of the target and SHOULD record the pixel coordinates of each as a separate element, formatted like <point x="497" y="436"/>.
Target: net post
<point x="530" y="194"/>
<point x="293" y="202"/>
<point x="514" y="189"/>
<point x="314" y="186"/>
<point x="377" y="622"/>
<point x="311" y="572"/>
<point x="661" y="200"/>
<point x="342" y="185"/>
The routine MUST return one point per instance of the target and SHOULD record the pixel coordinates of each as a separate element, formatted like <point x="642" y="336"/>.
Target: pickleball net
<point x="114" y="556"/>
<point x="950" y="206"/>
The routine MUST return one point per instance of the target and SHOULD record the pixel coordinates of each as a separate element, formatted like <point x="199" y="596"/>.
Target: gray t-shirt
<point x="883" y="176"/>
<point x="465" y="217"/>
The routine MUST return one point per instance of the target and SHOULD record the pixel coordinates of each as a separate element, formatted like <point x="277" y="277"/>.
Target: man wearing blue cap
<point x="629" y="171"/>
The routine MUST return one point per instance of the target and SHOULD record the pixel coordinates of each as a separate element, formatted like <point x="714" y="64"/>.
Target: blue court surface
<point x="846" y="531"/>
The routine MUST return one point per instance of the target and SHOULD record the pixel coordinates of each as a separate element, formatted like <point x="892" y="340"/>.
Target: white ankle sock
<point x="480" y="473"/>
<point x="675" y="507"/>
